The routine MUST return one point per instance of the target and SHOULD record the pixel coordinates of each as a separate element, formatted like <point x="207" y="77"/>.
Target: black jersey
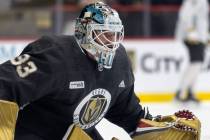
<point x="56" y="84"/>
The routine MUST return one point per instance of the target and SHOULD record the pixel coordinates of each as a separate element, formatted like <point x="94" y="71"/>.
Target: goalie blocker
<point x="183" y="125"/>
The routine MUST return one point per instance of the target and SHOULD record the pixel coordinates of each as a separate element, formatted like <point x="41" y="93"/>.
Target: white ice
<point x="202" y="111"/>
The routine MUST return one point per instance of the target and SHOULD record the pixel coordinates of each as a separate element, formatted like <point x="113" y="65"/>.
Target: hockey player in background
<point x="192" y="30"/>
<point x="62" y="86"/>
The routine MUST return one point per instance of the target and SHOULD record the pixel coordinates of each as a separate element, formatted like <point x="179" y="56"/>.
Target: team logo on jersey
<point x="92" y="108"/>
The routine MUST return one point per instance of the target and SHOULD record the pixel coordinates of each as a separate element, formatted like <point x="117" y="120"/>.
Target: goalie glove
<point x="182" y="125"/>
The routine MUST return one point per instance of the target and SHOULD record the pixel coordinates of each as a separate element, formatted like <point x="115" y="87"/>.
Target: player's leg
<point x="196" y="55"/>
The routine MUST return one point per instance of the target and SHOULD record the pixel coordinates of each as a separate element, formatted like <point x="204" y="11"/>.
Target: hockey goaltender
<point x="60" y="87"/>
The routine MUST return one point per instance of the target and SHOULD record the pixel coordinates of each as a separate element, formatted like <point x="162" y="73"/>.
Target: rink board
<point x="158" y="66"/>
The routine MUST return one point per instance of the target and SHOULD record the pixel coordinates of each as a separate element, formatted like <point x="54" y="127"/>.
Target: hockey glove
<point x="182" y="125"/>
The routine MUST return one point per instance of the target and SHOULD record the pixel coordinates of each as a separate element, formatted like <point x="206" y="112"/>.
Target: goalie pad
<point x="76" y="133"/>
<point x="183" y="125"/>
<point x="8" y="117"/>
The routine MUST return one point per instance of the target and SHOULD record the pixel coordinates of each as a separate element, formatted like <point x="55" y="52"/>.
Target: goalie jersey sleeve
<point x="31" y="75"/>
<point x="126" y="111"/>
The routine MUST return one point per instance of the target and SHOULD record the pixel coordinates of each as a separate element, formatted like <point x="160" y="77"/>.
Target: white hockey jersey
<point x="193" y="21"/>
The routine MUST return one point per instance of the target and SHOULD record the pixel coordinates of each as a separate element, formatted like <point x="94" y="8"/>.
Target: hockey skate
<point x="187" y="98"/>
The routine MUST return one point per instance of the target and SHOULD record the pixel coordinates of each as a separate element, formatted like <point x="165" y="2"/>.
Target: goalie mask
<point x="100" y="32"/>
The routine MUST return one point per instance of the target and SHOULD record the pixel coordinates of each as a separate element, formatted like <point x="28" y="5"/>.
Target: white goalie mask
<point x="100" y="32"/>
